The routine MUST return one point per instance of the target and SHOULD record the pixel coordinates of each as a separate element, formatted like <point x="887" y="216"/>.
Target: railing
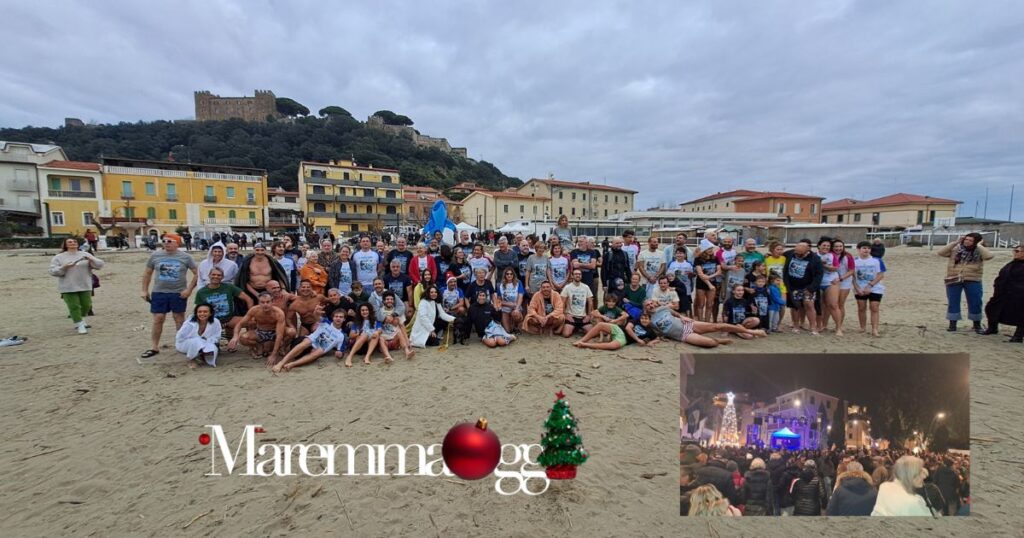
<point x="230" y="222"/>
<point x="127" y="196"/>
<point x="284" y="220"/>
<point x="317" y="197"/>
<point x="250" y="201"/>
<point x="172" y="197"/>
<point x="209" y="199"/>
<point x="355" y="199"/>
<point x="114" y="220"/>
<point x="72" y="194"/>
<point x="320" y="214"/>
<point x="129" y="171"/>
<point x="393" y="201"/>
<point x="355" y="216"/>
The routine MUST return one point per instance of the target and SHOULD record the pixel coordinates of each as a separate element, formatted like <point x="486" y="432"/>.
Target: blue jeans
<point x="973" y="292"/>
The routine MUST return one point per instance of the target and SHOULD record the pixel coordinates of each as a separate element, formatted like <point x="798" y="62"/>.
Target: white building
<point x="805" y="412"/>
<point x="19" y="180"/>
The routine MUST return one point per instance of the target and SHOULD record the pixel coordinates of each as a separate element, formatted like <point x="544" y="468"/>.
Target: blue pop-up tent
<point x="786" y="438"/>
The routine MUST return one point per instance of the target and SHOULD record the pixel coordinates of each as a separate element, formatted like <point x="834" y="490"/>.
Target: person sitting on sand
<point x="429" y="320"/>
<point x="673" y="325"/>
<point x="610" y="312"/>
<point x="198" y="337"/>
<point x="482" y="317"/>
<point x="509" y="296"/>
<point x="265" y="327"/>
<point x="326" y="338"/>
<point x="739" y="310"/>
<point x="393" y="335"/>
<point x="578" y="302"/>
<point x="365" y="332"/>
<point x="313" y="272"/>
<point x="545" y="314"/>
<point x="617" y="337"/>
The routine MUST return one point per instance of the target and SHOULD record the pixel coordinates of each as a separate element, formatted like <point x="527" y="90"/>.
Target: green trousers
<point x="79" y="303"/>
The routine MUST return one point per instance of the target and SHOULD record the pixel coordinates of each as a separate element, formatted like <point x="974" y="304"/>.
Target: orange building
<point x="795" y="207"/>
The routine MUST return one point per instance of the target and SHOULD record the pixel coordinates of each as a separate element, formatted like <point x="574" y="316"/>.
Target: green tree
<point x="837" y="435"/>
<point x="390" y="118"/>
<point x="562" y="444"/>
<point x="940" y="440"/>
<point x="334" y="111"/>
<point x="290" y="107"/>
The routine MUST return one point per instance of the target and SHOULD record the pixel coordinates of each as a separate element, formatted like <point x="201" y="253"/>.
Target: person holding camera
<point x="963" y="277"/>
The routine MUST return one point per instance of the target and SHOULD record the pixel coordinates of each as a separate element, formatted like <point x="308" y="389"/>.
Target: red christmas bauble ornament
<point x="471" y="451"/>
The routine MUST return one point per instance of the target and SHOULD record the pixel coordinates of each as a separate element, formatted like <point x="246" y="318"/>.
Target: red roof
<point x="73" y="165"/>
<point x="900" y="198"/>
<point x="769" y="194"/>
<point x="719" y="195"/>
<point x="581" y="185"/>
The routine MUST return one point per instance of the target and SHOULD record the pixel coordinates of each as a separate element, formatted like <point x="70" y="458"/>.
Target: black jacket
<point x="480" y="316"/>
<point x="802" y="273"/>
<point x="334" y="272"/>
<point x="788" y="475"/>
<point x="716" y="474"/>
<point x="616" y="265"/>
<point x="758" y="494"/>
<point x="948" y="482"/>
<point x="808" y="494"/>
<point x="854" y="496"/>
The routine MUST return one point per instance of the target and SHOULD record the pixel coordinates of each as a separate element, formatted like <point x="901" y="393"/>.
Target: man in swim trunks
<point x="307" y="306"/>
<point x="258" y="269"/>
<point x="265" y="327"/>
<point x="673" y="325"/>
<point x="327" y="337"/>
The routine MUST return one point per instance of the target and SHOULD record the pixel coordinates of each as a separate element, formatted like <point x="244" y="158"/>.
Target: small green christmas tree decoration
<point x="562" y="445"/>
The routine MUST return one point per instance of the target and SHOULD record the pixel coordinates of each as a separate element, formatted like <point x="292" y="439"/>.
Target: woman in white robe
<point x="427" y="314"/>
<point x="198" y="336"/>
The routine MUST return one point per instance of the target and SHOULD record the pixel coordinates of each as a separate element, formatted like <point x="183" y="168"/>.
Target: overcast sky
<point x="836" y="98"/>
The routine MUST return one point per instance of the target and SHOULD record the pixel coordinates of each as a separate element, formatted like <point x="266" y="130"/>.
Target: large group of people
<point x="430" y="293"/>
<point x="736" y="481"/>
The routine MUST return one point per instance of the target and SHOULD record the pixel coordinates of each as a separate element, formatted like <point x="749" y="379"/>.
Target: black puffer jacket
<point x="808" y="494"/>
<point x="758" y="493"/>
<point x="716" y="474"/>
<point x="789" y="474"/>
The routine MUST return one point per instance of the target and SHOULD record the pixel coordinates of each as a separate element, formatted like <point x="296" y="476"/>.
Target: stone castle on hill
<point x="377" y="122"/>
<point x="210" y="107"/>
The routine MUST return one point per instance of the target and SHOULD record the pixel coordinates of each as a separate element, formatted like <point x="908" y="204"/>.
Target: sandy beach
<point x="97" y="444"/>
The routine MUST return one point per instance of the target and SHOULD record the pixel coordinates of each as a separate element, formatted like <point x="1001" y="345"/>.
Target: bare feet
<point x="348" y="362"/>
<point x="875" y="333"/>
<point x="839" y="332"/>
<point x="745" y="336"/>
<point x="277" y="369"/>
<point x="723" y="341"/>
<point x="577" y="344"/>
<point x="388" y="359"/>
<point x="759" y="332"/>
<point x="366" y="361"/>
<point x="410" y="353"/>
<point x="193" y="364"/>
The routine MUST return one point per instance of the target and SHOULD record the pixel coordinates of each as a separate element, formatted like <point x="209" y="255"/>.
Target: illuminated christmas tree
<point x="729" y="434"/>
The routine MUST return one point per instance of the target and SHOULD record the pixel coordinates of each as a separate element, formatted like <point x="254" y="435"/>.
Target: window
<point x="250" y="194"/>
<point x="150" y="212"/>
<point x="172" y="214"/>
<point x="129" y="212"/>
<point x="856" y="217"/>
<point x="126" y="189"/>
<point x="389" y="194"/>
<point x="535" y="210"/>
<point x="150" y="188"/>
<point x="172" y="191"/>
<point x="320" y="174"/>
<point x="814" y="209"/>
<point x="875" y="217"/>
<point x="54" y="183"/>
<point x="574" y="196"/>
<point x="57" y="218"/>
<point x="560" y="212"/>
<point x="606" y="198"/>
<point x="606" y="212"/>
<point x="506" y="208"/>
<point x="354" y="227"/>
<point x="232" y="215"/>
<point x="368" y="193"/>
<point x="231" y="192"/>
<point x="289" y="199"/>
<point x="412" y="211"/>
<point x="209" y="190"/>
<point x="386" y="179"/>
<point x="839" y="219"/>
<point x="318" y="189"/>
<point x="824" y="220"/>
<point x="584" y="212"/>
<point x="252" y="215"/>
<point x="522" y="209"/>
<point x="369" y="209"/>
<point x="920" y="217"/>
<point x="211" y="214"/>
<point x="574" y="211"/>
<point x="626" y="198"/>
<point x="931" y="216"/>
<point x="616" y="198"/>
<point x="343" y="208"/>
<point x="390" y="210"/>
<point x="345" y="176"/>
<point x="782" y="208"/>
<point x="319" y="207"/>
<point x="87" y="218"/>
<point x="726" y="204"/>
<point x="560" y="195"/>
<point x="796" y="208"/>
<point x="584" y="196"/>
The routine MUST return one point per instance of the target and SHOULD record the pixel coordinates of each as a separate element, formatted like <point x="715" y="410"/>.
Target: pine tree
<point x="562" y="444"/>
<point x="729" y="434"/>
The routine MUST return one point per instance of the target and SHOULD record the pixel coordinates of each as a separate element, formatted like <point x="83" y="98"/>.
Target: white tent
<point x="464" y="227"/>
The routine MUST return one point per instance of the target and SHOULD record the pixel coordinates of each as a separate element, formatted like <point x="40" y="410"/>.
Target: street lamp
<point x="940" y="416"/>
<point x="796" y="403"/>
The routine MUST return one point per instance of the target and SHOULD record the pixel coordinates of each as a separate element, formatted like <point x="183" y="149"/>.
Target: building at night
<point x="799" y="419"/>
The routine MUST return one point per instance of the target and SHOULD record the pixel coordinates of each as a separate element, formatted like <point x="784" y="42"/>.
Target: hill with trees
<point x="276" y="146"/>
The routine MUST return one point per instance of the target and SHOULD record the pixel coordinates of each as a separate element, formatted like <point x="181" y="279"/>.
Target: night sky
<point x="938" y="382"/>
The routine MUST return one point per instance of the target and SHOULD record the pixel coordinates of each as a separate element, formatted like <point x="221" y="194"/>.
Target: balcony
<point x="390" y="201"/>
<point x="172" y="198"/>
<point x="231" y="222"/>
<point x="316" y="197"/>
<point x="127" y="196"/>
<point x="121" y="220"/>
<point x="355" y="199"/>
<point x="250" y="201"/>
<point x="349" y="183"/>
<point x="72" y="194"/>
<point x="320" y="214"/>
<point x="210" y="199"/>
<point x="363" y="217"/>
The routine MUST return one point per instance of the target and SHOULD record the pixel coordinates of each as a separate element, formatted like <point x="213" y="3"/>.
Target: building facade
<point x="284" y="213"/>
<point x="345" y="198"/>
<point x="19" y="183"/>
<point x="805" y="412"/>
<point x="419" y="202"/>
<point x="720" y="202"/>
<point x="896" y="210"/>
<point x="490" y="210"/>
<point x="858" y="427"/>
<point x="161" y="196"/>
<point x="71" y="196"/>
<point x="794" y="207"/>
<point x="210" y="107"/>
<point x="578" y="199"/>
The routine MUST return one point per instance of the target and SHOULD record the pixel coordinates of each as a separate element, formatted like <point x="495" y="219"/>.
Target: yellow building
<point x="162" y="196"/>
<point x="344" y="198"/>
<point x="578" y="200"/>
<point x="896" y="210"/>
<point x="490" y="210"/>
<point x="71" y="194"/>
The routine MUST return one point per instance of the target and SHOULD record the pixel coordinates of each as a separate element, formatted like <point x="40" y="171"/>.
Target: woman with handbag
<point x="963" y="275"/>
<point x="73" y="269"/>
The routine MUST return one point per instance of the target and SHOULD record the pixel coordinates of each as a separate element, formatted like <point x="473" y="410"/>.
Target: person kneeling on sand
<point x="545" y="314"/>
<point x="198" y="337"/>
<point x="265" y="327"/>
<point x="483" y="318"/>
<point x="675" y="326"/>
<point x="326" y="338"/>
